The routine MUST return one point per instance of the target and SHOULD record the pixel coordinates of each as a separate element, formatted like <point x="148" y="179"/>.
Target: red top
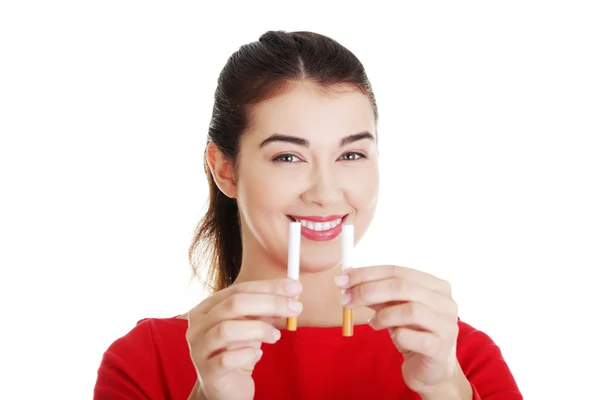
<point x="153" y="362"/>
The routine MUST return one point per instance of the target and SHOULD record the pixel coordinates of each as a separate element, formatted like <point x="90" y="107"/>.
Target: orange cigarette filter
<point x="347" y="325"/>
<point x="291" y="323"/>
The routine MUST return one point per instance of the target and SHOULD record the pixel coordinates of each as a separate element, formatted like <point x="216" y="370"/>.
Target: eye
<point x="286" y="158"/>
<point x="352" y="156"/>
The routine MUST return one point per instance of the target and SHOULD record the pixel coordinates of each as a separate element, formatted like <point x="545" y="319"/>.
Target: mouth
<point x="318" y="223"/>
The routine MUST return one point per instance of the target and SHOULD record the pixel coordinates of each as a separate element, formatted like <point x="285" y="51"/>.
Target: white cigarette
<point x="347" y="246"/>
<point x="293" y="271"/>
<point x="294" y="251"/>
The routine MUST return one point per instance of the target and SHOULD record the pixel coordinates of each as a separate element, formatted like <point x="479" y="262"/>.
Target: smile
<point x="320" y="228"/>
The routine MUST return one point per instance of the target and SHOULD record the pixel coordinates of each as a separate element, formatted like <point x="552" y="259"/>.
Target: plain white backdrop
<point x="489" y="133"/>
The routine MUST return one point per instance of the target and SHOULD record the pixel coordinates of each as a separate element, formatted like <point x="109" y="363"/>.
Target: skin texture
<point x="279" y="179"/>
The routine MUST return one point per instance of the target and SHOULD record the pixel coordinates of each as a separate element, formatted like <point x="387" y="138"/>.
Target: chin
<point x="314" y="262"/>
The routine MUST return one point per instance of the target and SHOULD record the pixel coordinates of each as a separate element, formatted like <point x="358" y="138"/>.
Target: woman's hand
<point x="421" y="316"/>
<point x="227" y="329"/>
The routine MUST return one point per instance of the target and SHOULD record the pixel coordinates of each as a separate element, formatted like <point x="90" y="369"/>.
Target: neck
<point x="320" y="297"/>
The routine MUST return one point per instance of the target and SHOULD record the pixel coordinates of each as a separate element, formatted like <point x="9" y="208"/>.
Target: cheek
<point x="258" y="197"/>
<point x="363" y="190"/>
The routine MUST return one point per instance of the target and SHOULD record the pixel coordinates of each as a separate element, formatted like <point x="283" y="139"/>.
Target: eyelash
<point x="359" y="155"/>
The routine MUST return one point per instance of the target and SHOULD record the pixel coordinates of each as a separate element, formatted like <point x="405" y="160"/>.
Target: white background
<point x="489" y="157"/>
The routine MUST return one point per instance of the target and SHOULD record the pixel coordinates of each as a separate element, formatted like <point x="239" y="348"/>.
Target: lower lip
<point x="321" y="236"/>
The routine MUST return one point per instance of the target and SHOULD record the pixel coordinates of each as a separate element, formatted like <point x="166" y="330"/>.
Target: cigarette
<point x="347" y="262"/>
<point x="293" y="271"/>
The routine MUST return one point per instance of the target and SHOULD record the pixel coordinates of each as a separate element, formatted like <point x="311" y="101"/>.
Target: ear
<point x="222" y="171"/>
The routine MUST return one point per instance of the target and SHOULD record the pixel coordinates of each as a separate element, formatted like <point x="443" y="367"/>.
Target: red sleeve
<point x="129" y="371"/>
<point x="484" y="366"/>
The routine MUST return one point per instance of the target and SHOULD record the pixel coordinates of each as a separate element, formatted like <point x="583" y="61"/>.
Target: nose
<point x="325" y="188"/>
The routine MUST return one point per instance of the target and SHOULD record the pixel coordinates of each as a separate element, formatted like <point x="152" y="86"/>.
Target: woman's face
<point x="311" y="157"/>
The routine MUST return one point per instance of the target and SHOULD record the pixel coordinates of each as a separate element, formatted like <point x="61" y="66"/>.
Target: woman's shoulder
<point x="151" y="354"/>
<point x="483" y="363"/>
<point x="469" y="335"/>
<point x="150" y="341"/>
<point x="150" y="331"/>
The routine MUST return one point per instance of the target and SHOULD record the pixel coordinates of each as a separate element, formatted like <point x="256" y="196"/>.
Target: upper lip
<point x="318" y="218"/>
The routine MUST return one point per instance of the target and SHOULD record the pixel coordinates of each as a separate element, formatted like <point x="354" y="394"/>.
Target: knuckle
<point x="453" y="331"/>
<point x="280" y="305"/>
<point x="224" y="330"/>
<point x="413" y="311"/>
<point x="224" y="360"/>
<point x="400" y="272"/>
<point x="240" y="288"/>
<point x="356" y="277"/>
<point x="392" y="271"/>
<point x="447" y="286"/>
<point x="279" y="287"/>
<point x="398" y="335"/>
<point x="281" y="283"/>
<point x="384" y="317"/>
<point x="361" y="292"/>
<point x="236" y="302"/>
<point x="399" y="286"/>
<point x="453" y="307"/>
<point x="191" y="334"/>
<point x="266" y="331"/>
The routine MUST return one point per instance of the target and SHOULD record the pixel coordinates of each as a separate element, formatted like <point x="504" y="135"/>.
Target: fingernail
<point x="276" y="334"/>
<point x="295" y="305"/>
<point x="293" y="288"/>
<point x="342" y="280"/>
<point x="346" y="298"/>
<point x="258" y="353"/>
<point x="370" y="320"/>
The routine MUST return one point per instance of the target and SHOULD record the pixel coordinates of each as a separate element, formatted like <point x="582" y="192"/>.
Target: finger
<point x="268" y="320"/>
<point x="356" y="276"/>
<point x="244" y="358"/>
<point x="415" y="316"/>
<point x="233" y="334"/>
<point x="239" y="345"/>
<point x="243" y="305"/>
<point x="201" y="325"/>
<point x="377" y="307"/>
<point x="373" y="293"/>
<point x="282" y="287"/>
<point x="425" y="343"/>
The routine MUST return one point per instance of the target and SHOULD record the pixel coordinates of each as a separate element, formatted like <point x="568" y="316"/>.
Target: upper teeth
<point x="320" y="226"/>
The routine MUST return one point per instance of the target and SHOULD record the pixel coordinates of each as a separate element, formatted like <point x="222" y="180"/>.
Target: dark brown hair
<point x="254" y="73"/>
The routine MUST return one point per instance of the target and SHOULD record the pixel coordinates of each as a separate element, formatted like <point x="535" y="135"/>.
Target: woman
<point x="293" y="138"/>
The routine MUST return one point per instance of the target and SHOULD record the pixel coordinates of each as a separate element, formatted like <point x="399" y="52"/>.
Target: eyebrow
<point x="278" y="137"/>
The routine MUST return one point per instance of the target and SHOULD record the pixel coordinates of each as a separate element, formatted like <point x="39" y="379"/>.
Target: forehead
<point x="309" y="111"/>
